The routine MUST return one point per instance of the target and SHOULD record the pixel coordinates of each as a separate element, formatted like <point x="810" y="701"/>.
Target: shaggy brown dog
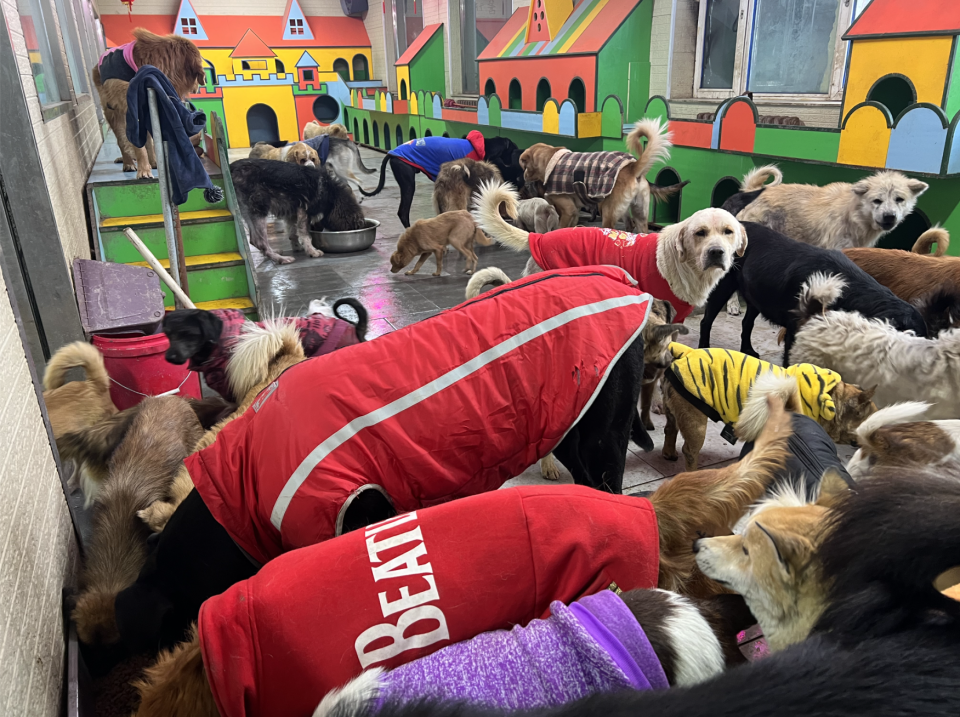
<point x="77" y="404"/>
<point x="163" y="433"/>
<point x="298" y="153"/>
<point x="458" y="180"/>
<point x="315" y="129"/>
<point x="631" y="189"/>
<point x="690" y="505"/>
<point x="176" y="57"/>
<point x="432" y="236"/>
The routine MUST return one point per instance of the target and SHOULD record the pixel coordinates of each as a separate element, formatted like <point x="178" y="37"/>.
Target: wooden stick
<point x="156" y="266"/>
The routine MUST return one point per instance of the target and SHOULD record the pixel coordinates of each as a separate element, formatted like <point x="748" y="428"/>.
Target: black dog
<point x="770" y="275"/>
<point x="940" y="309"/>
<point x="499" y="151"/>
<point x="300" y="196"/>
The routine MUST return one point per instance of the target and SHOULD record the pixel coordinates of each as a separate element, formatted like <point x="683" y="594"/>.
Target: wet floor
<point x="396" y="300"/>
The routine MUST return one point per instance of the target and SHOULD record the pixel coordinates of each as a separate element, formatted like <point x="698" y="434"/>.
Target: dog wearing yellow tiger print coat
<point x="717" y="383"/>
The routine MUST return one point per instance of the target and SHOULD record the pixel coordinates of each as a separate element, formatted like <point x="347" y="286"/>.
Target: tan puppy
<point x="458" y="180"/>
<point x="315" y="129"/>
<point x="432" y="236"/>
<point x="298" y="153"/>
<point x="176" y="57"/>
<point x="837" y="216"/>
<point x="630" y="189"/>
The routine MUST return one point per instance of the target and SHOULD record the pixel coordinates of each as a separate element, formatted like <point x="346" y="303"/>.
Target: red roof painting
<point x="417" y="45"/>
<point x="897" y="18"/>
<point x="252" y="46"/>
<point x="228" y="30"/>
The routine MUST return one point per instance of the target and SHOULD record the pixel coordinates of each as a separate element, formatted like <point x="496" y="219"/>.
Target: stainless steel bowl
<point x="343" y="242"/>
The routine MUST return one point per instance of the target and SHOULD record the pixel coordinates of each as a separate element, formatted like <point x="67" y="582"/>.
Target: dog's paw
<point x="411" y="273"/>
<point x="118" y="160"/>
<point x="129" y="167"/>
<point x="146" y="173"/>
<point x="733" y="306"/>
<point x="668" y="456"/>
<point x="314" y="253"/>
<point x="549" y="470"/>
<point x="281" y="260"/>
<point x="647" y="423"/>
<point x="157" y="514"/>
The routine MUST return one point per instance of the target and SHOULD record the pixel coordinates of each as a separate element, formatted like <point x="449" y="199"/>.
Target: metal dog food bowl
<point x="343" y="242"/>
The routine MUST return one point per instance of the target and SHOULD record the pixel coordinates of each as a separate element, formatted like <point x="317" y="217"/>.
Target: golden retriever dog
<point x="176" y="57"/>
<point x="261" y="355"/>
<point x="163" y="432"/>
<point x="315" y="129"/>
<point x="297" y="153"/>
<point x="837" y="216"/>
<point x="432" y="236"/>
<point x="689" y="506"/>
<point x="458" y="180"/>
<point x="630" y="190"/>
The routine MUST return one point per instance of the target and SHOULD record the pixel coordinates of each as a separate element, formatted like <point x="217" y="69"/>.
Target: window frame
<point x="741" y="63"/>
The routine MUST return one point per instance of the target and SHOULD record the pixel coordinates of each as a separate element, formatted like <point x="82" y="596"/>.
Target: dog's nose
<point x="696" y="546"/>
<point x="308" y="163"/>
<point x="889" y="220"/>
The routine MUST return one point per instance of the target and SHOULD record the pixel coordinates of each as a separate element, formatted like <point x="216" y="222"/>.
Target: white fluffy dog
<point x="870" y="352"/>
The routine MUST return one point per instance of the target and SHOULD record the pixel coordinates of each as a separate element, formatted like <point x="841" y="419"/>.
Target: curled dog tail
<point x="819" y="293"/>
<point x="354" y="698"/>
<point x="757" y="178"/>
<point x="383" y="176"/>
<point x="897" y="413"/>
<point x="79" y="354"/>
<point x="257" y="348"/>
<point x="934" y="235"/>
<point x="486" y="213"/>
<point x="490" y="275"/>
<point x="659" y="142"/>
<point x="755" y="413"/>
<point x="362" y="316"/>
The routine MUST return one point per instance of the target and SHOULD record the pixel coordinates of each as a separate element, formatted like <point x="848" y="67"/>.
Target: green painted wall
<point x="799" y="143"/>
<point x="953" y="90"/>
<point x="624" y="62"/>
<point x="208" y="106"/>
<point x="426" y="69"/>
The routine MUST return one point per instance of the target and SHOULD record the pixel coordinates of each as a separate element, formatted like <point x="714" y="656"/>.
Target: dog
<point x="428" y="154"/>
<point x="298" y="153"/>
<point x="537" y="215"/>
<point x="175" y="56"/>
<point x="163" y="432"/>
<point x="314" y="129"/>
<point x="869" y="351"/>
<point x="934" y="235"/>
<point x="728" y="386"/>
<point x="432" y="237"/>
<point x="898" y="436"/>
<point x="458" y="180"/>
<point x="770" y="276"/>
<point x="303" y="197"/>
<point x="837" y="216"/>
<point x="206" y="339"/>
<point x="615" y="180"/>
<point x="681" y="265"/>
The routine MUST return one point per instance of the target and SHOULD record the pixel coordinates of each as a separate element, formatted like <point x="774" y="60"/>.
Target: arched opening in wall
<point x="399" y="135"/>
<point x="244" y="65"/>
<point x="403" y="89"/>
<point x="895" y="92"/>
<point x="427" y="133"/>
<point x="667" y="212"/>
<point x="360" y="71"/>
<point x="326" y="108"/>
<point x="723" y="190"/>
<point x="210" y="73"/>
<point x="346" y="119"/>
<point x="489" y="87"/>
<point x="543" y="93"/>
<point x="376" y="135"/>
<point x="577" y="94"/>
<point x="281" y="68"/>
<point x="342" y="68"/>
<point x="356" y="130"/>
<point x="447" y="135"/>
<point x="906" y="235"/>
<point x="413" y="133"/>
<point x="386" y="136"/>
<point x="366" y="132"/>
<point x="515" y="96"/>
<point x="262" y="124"/>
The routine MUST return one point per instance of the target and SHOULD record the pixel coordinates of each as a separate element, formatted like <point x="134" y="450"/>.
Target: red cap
<point x="479" y="146"/>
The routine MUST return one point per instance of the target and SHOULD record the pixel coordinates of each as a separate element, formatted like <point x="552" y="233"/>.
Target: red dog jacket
<point x="451" y="406"/>
<point x="586" y="246"/>
<point x="312" y="619"/>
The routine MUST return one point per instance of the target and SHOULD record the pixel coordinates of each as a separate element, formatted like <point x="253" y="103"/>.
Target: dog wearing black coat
<point x="770" y="275"/>
<point x="300" y="196"/>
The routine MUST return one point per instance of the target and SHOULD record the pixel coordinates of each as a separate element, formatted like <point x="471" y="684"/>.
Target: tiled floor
<point x="396" y="300"/>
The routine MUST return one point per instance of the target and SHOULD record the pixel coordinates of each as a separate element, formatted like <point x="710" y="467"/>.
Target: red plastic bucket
<point x="138" y="369"/>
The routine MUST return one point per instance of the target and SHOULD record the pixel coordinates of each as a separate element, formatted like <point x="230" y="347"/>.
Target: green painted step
<point x="207" y="235"/>
<point x="211" y="278"/>
<point x="141" y="199"/>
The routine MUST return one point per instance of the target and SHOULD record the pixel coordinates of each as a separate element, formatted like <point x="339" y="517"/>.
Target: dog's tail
<point x="818" y="294"/>
<point x="934" y="235"/>
<point x="490" y="275"/>
<point x="383" y="176"/>
<point x="486" y="213"/>
<point x="757" y="178"/>
<point x="906" y="412"/>
<point x="662" y="194"/>
<point x="257" y="348"/>
<point x="354" y="698"/>
<point x="362" y="316"/>
<point x="659" y="142"/>
<point x="79" y="354"/>
<point x="755" y="413"/>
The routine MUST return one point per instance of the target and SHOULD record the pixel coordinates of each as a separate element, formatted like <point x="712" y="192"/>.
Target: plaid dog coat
<point x="600" y="169"/>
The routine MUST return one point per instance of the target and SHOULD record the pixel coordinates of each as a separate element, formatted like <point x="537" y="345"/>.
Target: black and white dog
<point x="771" y="274"/>
<point x="300" y="196"/>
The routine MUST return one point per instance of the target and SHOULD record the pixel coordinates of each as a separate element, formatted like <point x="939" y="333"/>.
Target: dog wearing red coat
<point x="681" y="264"/>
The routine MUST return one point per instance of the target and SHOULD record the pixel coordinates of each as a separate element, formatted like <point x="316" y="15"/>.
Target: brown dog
<point x="298" y="153"/>
<point x="458" y="180"/>
<point x="176" y="57"/>
<point x="432" y="236"/>
<point x="630" y="189"/>
<point x="315" y="129"/>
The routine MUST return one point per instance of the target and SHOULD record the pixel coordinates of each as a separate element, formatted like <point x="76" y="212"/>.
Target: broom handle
<point x="156" y="266"/>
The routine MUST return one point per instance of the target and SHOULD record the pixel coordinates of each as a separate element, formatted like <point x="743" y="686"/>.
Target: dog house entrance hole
<point x="667" y="212"/>
<point x="723" y="190"/>
<point x="895" y="93"/>
<point x="906" y="235"/>
<point x="325" y="108"/>
<point x="400" y="139"/>
<point x="262" y="124"/>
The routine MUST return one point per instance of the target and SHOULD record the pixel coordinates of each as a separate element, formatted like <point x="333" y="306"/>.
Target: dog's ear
<point x="741" y="239"/>
<point x="792" y="550"/>
<point x="867" y="395"/>
<point x="861" y="188"/>
<point x="210" y="325"/>
<point x="917" y="187"/>
<point x="833" y="489"/>
<point x="671" y="312"/>
<point x="682" y="239"/>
